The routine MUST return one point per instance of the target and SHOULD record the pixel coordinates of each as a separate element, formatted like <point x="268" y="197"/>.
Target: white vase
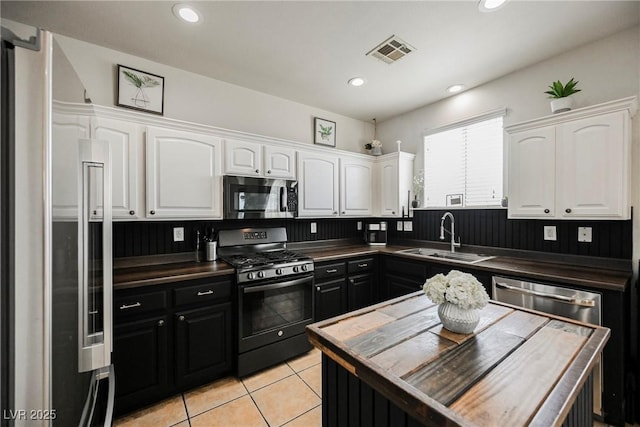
<point x="558" y="105"/>
<point x="458" y="320"/>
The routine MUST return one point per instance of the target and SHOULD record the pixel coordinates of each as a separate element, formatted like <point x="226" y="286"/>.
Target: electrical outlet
<point x="585" y="234"/>
<point x="399" y="226"/>
<point x="314" y="228"/>
<point x="550" y="232"/>
<point x="408" y="226"/>
<point x="359" y="226"/>
<point x="178" y="234"/>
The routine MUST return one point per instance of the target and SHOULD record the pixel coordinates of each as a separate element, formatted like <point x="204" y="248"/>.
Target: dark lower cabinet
<point x="330" y="299"/>
<point x="140" y="350"/>
<point x="202" y="344"/>
<point x="360" y="291"/>
<point x="168" y="338"/>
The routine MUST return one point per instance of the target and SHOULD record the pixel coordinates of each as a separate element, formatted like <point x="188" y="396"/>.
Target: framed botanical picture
<point x="324" y="132"/>
<point x="140" y="90"/>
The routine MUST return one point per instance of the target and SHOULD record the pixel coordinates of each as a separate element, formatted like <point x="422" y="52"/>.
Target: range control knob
<point x="296" y="268"/>
<point x="261" y="274"/>
<point x="251" y="276"/>
<point x="304" y="267"/>
<point x="279" y="271"/>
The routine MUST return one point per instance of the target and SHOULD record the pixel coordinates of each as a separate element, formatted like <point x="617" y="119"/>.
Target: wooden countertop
<point x="519" y="367"/>
<point x="598" y="278"/>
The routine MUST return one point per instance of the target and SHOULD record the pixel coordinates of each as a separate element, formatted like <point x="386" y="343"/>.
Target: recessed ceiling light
<point x="186" y="13"/>
<point x="455" y="88"/>
<point x="357" y="81"/>
<point x="490" y="5"/>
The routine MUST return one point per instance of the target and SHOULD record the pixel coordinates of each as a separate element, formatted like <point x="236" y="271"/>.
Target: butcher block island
<point x="393" y="364"/>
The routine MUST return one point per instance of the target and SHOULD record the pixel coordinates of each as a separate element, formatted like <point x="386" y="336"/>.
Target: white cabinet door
<point x="183" y="174"/>
<point x="125" y="142"/>
<point x="318" y="185"/>
<point x="388" y="187"/>
<point x="279" y="162"/>
<point x="67" y="129"/>
<point x="356" y="178"/>
<point x="592" y="169"/>
<point x="532" y="173"/>
<point x="242" y="158"/>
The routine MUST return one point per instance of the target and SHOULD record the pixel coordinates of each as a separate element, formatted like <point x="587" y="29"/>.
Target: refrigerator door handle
<point x="89" y="408"/>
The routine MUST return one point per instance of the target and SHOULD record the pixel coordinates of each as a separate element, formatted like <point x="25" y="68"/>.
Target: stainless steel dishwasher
<point x="567" y="302"/>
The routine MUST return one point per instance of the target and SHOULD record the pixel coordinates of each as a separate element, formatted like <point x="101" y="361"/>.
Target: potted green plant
<point x="560" y="93"/>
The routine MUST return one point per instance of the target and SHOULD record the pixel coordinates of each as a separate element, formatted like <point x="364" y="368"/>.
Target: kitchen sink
<point x="466" y="257"/>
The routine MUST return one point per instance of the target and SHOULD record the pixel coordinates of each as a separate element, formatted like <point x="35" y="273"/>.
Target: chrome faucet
<point x="454" y="244"/>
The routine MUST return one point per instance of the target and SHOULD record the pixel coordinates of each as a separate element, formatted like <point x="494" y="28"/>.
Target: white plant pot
<point x="458" y="320"/>
<point x="558" y="105"/>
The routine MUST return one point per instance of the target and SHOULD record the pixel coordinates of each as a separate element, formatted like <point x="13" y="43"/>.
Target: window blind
<point x="463" y="165"/>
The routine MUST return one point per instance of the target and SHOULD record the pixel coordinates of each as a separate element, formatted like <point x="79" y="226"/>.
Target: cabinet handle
<point x="393" y="212"/>
<point x="353" y="282"/>
<point x="181" y="318"/>
<point x="568" y="210"/>
<point x="363" y="265"/>
<point x="318" y="288"/>
<point x="269" y="171"/>
<point x="132" y="212"/>
<point x="126" y="307"/>
<point x="335" y="212"/>
<point x="343" y="212"/>
<point x="546" y="211"/>
<point x="257" y="170"/>
<point x="209" y="292"/>
<point x="95" y="212"/>
<point x="161" y="323"/>
<point x="152" y="212"/>
<point x="333" y="270"/>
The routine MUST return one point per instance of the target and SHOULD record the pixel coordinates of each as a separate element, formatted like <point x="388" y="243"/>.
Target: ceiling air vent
<point x="391" y="50"/>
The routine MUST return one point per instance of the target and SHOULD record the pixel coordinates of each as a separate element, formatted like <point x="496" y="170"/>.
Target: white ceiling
<point x="306" y="51"/>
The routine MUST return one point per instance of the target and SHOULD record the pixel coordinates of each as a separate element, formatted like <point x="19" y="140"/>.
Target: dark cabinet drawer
<point x="139" y="303"/>
<point x="360" y="265"/>
<point x="335" y="269"/>
<point x="202" y="292"/>
<point x="406" y="268"/>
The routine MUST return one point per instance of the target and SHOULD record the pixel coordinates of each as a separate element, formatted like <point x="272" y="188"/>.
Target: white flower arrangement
<point x="374" y="143"/>
<point x="461" y="289"/>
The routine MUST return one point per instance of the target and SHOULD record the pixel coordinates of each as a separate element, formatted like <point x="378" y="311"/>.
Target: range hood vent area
<point x="391" y="50"/>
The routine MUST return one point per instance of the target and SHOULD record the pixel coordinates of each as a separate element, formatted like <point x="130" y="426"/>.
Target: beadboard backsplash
<point x="478" y="227"/>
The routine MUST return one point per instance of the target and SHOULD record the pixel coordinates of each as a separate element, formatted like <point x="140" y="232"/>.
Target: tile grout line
<point x="186" y="410"/>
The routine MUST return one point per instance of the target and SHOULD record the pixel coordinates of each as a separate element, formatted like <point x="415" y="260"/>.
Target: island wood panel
<point x="437" y="377"/>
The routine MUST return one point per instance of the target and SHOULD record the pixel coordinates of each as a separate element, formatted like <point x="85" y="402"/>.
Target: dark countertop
<point x="400" y="349"/>
<point x="129" y="275"/>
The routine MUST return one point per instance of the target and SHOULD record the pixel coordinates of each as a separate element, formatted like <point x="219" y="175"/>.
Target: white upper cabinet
<point x="255" y="159"/>
<point x="67" y="130"/>
<point x="394" y="176"/>
<point x="183" y="174"/>
<point x="356" y="178"/>
<point x="318" y="185"/>
<point x="573" y="166"/>
<point x="532" y="171"/>
<point x="125" y="143"/>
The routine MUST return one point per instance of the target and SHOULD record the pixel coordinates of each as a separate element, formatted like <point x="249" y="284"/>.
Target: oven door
<point x="252" y="198"/>
<point x="273" y="311"/>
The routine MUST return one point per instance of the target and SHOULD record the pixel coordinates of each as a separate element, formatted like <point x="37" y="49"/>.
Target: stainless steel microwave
<point x="252" y="198"/>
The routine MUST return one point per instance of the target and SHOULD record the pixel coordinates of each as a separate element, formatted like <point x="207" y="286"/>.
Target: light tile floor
<point x="288" y="395"/>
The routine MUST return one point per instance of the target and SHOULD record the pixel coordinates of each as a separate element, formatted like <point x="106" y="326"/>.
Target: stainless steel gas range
<point x="274" y="296"/>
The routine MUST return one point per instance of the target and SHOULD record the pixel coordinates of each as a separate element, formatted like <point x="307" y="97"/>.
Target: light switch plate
<point x="178" y="234"/>
<point x="550" y="232"/>
<point x="408" y="226"/>
<point x="359" y="225"/>
<point x="585" y="234"/>
<point x="314" y="228"/>
<point x="399" y="226"/>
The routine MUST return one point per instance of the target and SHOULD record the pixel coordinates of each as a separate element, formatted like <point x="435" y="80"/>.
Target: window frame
<point x="499" y="112"/>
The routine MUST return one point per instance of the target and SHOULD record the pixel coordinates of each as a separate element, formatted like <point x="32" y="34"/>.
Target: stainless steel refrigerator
<point x="62" y="182"/>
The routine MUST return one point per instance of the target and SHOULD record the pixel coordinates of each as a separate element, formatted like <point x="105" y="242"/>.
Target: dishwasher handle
<point x="568" y="300"/>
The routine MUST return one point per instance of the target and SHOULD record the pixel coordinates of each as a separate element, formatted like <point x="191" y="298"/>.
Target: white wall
<point x="195" y="98"/>
<point x="30" y="392"/>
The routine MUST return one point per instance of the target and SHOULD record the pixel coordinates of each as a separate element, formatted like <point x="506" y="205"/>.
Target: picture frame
<point x="324" y="132"/>
<point x="140" y="90"/>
